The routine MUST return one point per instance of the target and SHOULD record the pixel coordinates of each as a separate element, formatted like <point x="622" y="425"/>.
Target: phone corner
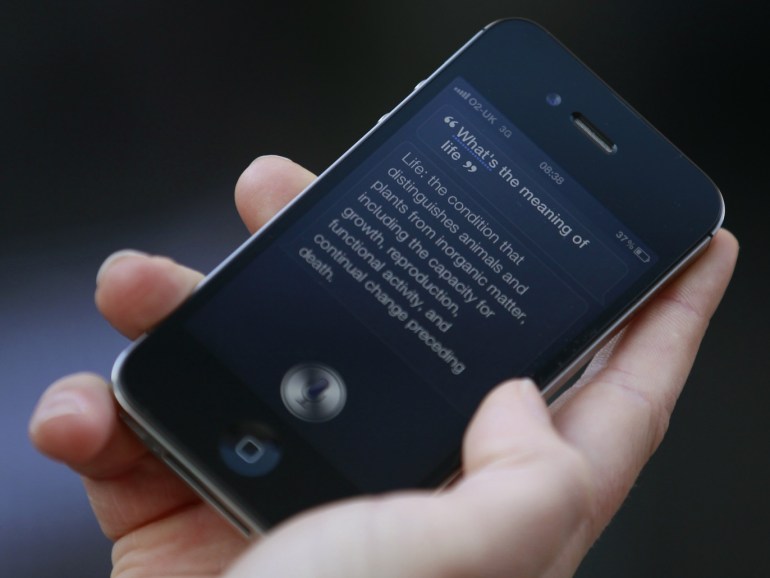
<point x="520" y="21"/>
<point x="117" y="382"/>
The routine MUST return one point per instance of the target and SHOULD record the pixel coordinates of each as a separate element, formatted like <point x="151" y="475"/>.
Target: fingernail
<point x="56" y="405"/>
<point x="112" y="259"/>
<point x="268" y="157"/>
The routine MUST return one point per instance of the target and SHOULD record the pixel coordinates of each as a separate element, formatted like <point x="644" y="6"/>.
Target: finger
<point x="135" y="291"/>
<point x="619" y="416"/>
<point x="266" y="186"/>
<point x="75" y="422"/>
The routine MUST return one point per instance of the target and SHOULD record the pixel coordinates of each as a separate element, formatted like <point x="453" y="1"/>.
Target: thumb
<point x="530" y="492"/>
<point x="512" y="423"/>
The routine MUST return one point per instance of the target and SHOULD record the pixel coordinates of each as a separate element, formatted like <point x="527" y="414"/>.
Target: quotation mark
<point x="468" y="166"/>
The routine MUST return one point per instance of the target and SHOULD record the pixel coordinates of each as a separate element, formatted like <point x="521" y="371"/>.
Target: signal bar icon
<point x="464" y="94"/>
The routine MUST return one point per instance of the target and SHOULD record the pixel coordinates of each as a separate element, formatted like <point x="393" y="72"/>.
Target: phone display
<point x="502" y="221"/>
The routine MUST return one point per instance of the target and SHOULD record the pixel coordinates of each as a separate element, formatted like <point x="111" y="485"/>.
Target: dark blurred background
<point x="126" y="124"/>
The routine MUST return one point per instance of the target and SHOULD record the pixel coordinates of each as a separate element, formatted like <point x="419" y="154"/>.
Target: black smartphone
<point x="503" y="220"/>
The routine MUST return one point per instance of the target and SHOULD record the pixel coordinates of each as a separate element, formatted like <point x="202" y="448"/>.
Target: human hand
<point x="539" y="485"/>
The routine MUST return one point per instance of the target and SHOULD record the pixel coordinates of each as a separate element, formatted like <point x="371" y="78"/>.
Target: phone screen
<point x="457" y="255"/>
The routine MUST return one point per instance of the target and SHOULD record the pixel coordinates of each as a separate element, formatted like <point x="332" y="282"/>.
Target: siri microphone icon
<point x="313" y="392"/>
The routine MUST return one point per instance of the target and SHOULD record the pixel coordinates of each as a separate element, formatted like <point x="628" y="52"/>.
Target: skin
<point x="539" y="483"/>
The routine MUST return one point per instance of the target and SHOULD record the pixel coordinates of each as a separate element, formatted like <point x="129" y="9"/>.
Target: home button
<point x="250" y="449"/>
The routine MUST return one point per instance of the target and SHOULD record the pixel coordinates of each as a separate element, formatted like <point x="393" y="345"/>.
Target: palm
<point x="159" y="527"/>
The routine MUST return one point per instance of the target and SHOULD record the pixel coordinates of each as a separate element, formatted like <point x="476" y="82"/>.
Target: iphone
<point x="504" y="220"/>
